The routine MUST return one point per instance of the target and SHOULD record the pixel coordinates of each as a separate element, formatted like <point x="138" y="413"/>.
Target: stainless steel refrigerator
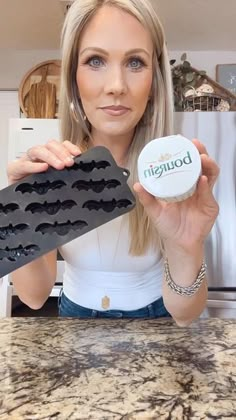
<point x="217" y="130"/>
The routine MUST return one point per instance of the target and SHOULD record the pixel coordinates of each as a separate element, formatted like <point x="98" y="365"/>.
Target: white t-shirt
<point x="98" y="265"/>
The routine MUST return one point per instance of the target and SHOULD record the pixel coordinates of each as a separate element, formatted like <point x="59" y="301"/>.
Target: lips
<point x="115" y="110"/>
<point x="115" y="107"/>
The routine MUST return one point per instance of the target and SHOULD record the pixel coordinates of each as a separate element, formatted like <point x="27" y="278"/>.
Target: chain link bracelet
<point x="184" y="291"/>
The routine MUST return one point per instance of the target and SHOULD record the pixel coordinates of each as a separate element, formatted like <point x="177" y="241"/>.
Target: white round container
<point x="169" y="168"/>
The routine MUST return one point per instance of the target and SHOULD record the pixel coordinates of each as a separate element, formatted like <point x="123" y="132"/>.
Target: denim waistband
<point x="68" y="308"/>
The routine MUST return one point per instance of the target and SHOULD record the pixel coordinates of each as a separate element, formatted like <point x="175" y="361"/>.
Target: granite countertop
<point x="71" y="369"/>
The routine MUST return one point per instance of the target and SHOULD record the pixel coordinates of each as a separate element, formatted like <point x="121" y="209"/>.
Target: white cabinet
<point x="23" y="134"/>
<point x="26" y="132"/>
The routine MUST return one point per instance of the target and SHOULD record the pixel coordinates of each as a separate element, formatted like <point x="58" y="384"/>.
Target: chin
<point x="116" y="129"/>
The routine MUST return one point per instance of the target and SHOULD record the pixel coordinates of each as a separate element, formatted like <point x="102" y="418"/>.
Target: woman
<point x="116" y="92"/>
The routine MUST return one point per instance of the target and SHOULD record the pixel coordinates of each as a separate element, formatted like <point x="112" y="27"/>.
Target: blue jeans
<point x="67" y="308"/>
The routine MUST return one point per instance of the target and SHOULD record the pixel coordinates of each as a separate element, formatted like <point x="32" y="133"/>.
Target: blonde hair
<point x="157" y="120"/>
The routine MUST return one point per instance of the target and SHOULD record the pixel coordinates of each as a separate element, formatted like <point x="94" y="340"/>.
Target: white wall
<point x="8" y="109"/>
<point x="16" y="63"/>
<point x="206" y="60"/>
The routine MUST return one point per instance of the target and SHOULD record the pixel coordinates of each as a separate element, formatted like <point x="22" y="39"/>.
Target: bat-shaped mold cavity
<point x="50" y="208"/>
<point x="8" y="208"/>
<point x="39" y="188"/>
<point x="107" y="206"/>
<point x="6" y="231"/>
<point x="60" y="228"/>
<point x="89" y="166"/>
<point x="96" y="186"/>
<point x="14" y="254"/>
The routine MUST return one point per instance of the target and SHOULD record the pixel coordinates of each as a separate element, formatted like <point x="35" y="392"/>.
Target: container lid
<point x="169" y="166"/>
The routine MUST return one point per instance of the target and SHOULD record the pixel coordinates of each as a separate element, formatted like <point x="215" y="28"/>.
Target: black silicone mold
<point x="46" y="210"/>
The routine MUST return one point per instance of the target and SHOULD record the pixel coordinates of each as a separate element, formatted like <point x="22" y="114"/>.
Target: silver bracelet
<point x="184" y="291"/>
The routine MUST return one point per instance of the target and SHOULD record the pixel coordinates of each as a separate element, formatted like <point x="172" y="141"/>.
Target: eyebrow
<point x="100" y="50"/>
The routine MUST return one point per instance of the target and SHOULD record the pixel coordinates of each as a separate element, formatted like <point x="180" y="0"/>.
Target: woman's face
<point x="114" y="73"/>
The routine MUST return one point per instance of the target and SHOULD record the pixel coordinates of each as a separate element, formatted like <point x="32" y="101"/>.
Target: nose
<point x="116" y="83"/>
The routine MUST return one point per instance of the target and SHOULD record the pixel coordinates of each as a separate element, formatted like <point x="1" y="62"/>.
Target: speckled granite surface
<point x="117" y="369"/>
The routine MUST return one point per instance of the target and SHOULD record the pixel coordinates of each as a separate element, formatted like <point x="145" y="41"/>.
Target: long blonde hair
<point x="157" y="120"/>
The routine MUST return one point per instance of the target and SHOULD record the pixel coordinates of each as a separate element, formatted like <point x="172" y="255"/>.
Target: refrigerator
<point x="217" y="131"/>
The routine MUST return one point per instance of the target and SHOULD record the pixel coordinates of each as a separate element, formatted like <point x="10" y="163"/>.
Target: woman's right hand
<point x="38" y="158"/>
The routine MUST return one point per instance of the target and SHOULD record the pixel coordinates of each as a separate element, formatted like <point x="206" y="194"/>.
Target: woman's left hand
<point x="186" y="223"/>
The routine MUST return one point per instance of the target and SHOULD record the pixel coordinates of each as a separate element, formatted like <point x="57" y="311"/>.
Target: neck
<point x="117" y="145"/>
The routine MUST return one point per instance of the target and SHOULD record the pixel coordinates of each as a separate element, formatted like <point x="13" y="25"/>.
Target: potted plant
<point x="184" y="78"/>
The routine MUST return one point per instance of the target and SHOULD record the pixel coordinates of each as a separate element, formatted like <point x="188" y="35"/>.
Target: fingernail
<point x="59" y="163"/>
<point x="69" y="159"/>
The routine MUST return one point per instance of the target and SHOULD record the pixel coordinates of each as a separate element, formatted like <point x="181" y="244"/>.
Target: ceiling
<point x="189" y="24"/>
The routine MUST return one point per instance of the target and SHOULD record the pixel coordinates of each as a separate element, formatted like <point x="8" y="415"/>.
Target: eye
<point x="95" y="61"/>
<point x="136" y="63"/>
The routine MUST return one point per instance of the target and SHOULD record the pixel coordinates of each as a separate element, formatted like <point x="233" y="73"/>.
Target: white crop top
<point x="98" y="265"/>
